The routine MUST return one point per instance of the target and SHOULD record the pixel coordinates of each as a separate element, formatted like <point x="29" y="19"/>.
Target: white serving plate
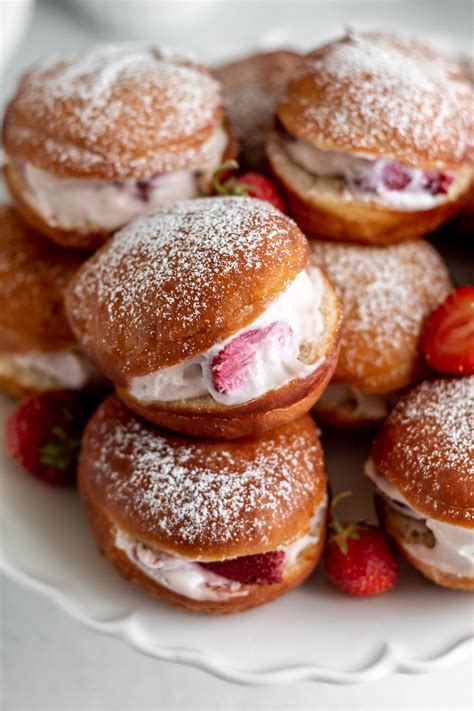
<point x="314" y="633"/>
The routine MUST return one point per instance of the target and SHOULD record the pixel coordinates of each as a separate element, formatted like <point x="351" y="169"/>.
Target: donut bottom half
<point x="392" y="521"/>
<point x="318" y="207"/>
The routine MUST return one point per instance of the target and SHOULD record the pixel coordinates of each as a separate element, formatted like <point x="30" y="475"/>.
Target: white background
<point x="49" y="661"/>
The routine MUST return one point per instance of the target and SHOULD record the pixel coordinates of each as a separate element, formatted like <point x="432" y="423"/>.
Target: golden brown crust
<point x="171" y="285"/>
<point x="376" y="94"/>
<point x="426" y="449"/>
<point x="320" y="210"/>
<point x="113" y="112"/>
<point x="205" y="499"/>
<point x="34" y="274"/>
<point x="440" y="577"/>
<point x="386" y="294"/>
<point x="251" y="88"/>
<point x="256" y="594"/>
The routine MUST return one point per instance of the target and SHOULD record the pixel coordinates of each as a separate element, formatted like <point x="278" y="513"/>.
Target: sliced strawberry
<point x="43" y="435"/>
<point x="448" y="337"/>
<point x="437" y="183"/>
<point x="395" y="176"/>
<point x="261" y="569"/>
<point x="250" y="184"/>
<point x="230" y="366"/>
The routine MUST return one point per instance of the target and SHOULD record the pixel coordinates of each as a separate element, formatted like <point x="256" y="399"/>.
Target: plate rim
<point x="386" y="660"/>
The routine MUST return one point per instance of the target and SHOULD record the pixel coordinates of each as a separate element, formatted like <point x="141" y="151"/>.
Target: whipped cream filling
<point x="262" y="357"/>
<point x="82" y="203"/>
<point x="69" y="369"/>
<point x="370" y="406"/>
<point x="188" y="578"/>
<point x="453" y="551"/>
<point x="384" y="181"/>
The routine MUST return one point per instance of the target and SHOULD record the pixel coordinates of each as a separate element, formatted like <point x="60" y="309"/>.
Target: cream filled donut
<point x="37" y="349"/>
<point x="208" y="318"/>
<point x="374" y="140"/>
<point x="422" y="466"/>
<point x="386" y="293"/>
<point x="100" y="137"/>
<point x="252" y="86"/>
<point x="209" y="525"/>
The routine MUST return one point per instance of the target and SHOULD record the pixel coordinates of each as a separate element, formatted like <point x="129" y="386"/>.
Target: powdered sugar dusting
<point x="385" y="94"/>
<point x="438" y="442"/>
<point x="114" y="104"/>
<point x="177" y="269"/>
<point x="386" y="293"/>
<point x="203" y="493"/>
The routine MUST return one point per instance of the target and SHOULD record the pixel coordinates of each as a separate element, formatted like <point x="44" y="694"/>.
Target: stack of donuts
<point x="224" y="325"/>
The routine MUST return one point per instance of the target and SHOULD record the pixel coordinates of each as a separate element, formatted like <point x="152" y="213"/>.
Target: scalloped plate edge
<point x="389" y="659"/>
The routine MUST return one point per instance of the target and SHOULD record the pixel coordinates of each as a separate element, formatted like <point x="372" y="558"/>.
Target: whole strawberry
<point x="359" y="558"/>
<point x="43" y="434"/>
<point x="249" y="184"/>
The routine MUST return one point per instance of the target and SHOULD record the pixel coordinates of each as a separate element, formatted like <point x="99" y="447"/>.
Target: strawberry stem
<point x="342" y="532"/>
<point x="216" y="177"/>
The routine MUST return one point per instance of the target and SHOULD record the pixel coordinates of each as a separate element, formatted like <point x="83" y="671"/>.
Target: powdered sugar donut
<point x="205" y="317"/>
<point x="37" y="348"/>
<point x="375" y="140"/>
<point x="210" y="525"/>
<point x="97" y="138"/>
<point x="386" y="294"/>
<point x="423" y="468"/>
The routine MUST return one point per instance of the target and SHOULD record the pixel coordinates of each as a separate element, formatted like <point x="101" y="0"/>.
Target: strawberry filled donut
<point x="386" y="294"/>
<point x="37" y="349"/>
<point x="374" y="140"/>
<point x="252" y="87"/>
<point x="97" y="138"/>
<point x="207" y="317"/>
<point x="422" y="466"/>
<point x="212" y="526"/>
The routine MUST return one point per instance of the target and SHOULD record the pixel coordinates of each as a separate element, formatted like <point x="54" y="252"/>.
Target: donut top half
<point x="204" y="499"/>
<point x="426" y="449"/>
<point x="113" y="112"/>
<point x="169" y="286"/>
<point x="386" y="295"/>
<point x="375" y="94"/>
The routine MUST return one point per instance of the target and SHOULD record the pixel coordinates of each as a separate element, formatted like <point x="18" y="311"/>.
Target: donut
<point x="37" y="348"/>
<point x="102" y="136"/>
<point x="213" y="526"/>
<point x="422" y="466"/>
<point x="206" y="319"/>
<point x="386" y="293"/>
<point x="252" y="86"/>
<point x="374" y="140"/>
